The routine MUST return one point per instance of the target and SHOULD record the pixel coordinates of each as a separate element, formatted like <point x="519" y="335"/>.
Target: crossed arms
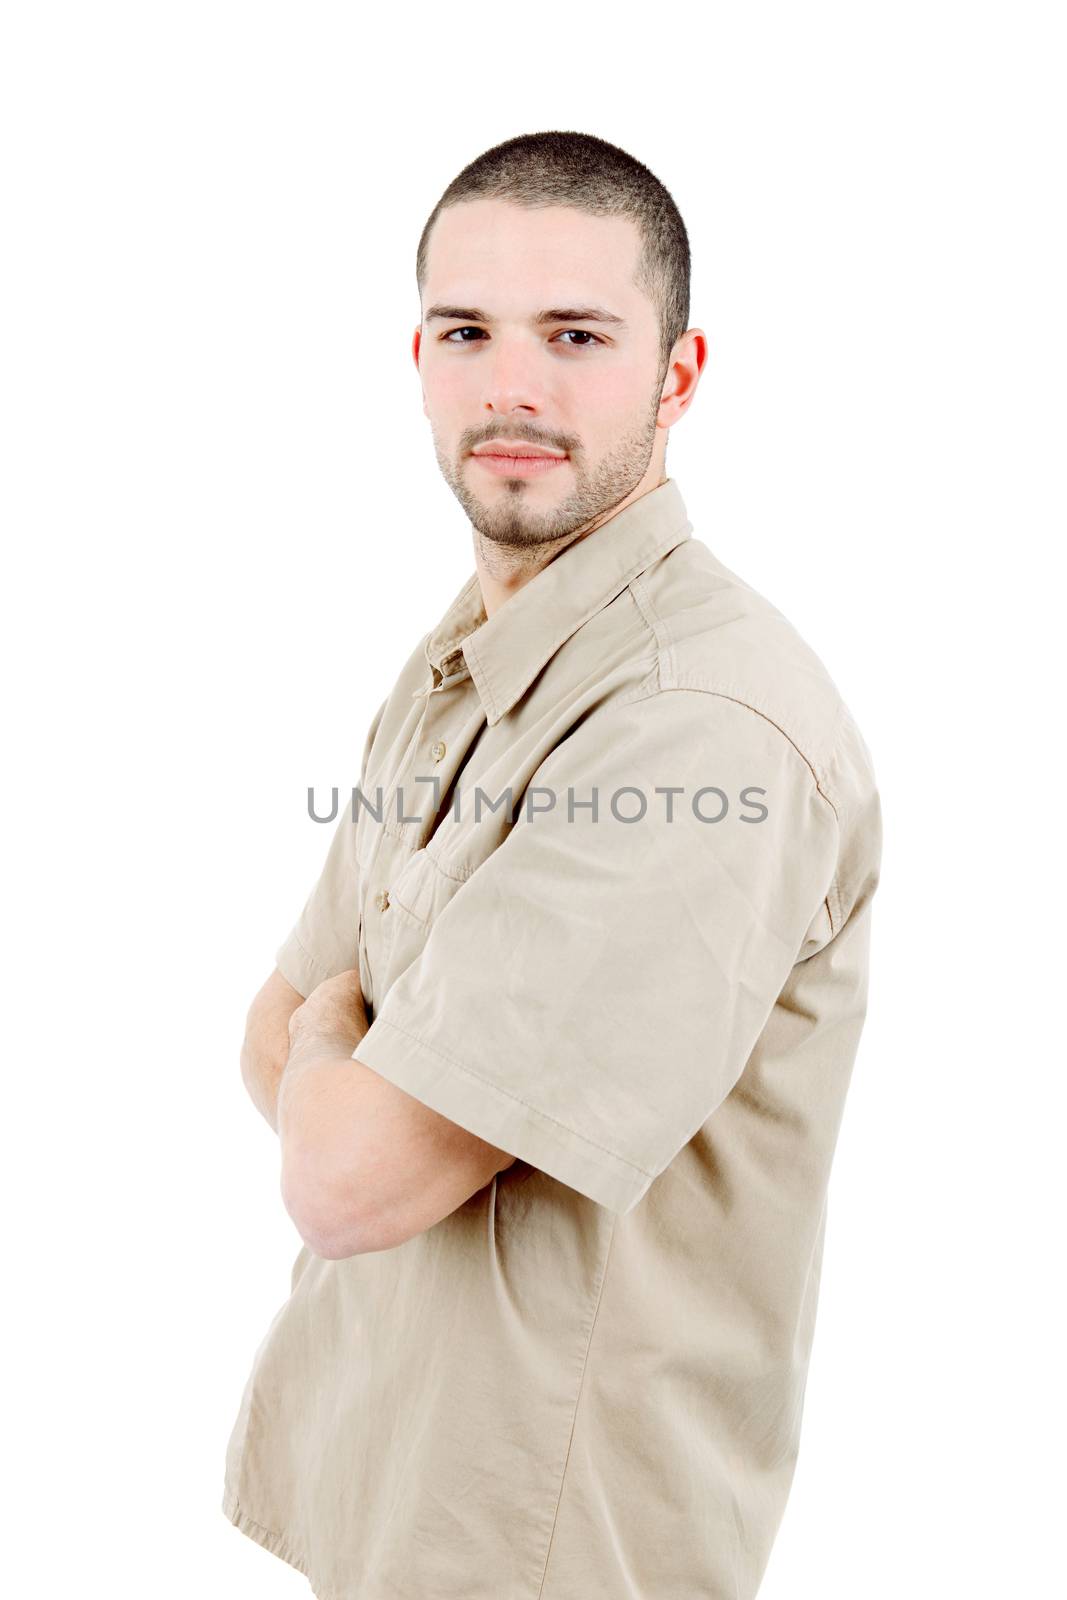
<point x="365" y="1166"/>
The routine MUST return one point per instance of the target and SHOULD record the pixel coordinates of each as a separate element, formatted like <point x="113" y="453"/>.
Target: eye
<point x="582" y="333"/>
<point x="448" y="339"/>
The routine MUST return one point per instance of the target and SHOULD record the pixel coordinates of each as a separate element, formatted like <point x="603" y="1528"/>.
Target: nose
<point x="512" y="379"/>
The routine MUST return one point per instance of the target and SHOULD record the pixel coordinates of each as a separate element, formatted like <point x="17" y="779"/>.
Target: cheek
<point x="448" y="392"/>
<point x="606" y="404"/>
<point x="449" y="378"/>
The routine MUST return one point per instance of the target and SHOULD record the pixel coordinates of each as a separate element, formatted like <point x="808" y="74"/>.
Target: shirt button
<point x="381" y="899"/>
<point x="437" y="749"/>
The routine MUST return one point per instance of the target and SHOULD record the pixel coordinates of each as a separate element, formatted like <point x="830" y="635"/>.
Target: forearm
<point x="315" y="1094"/>
<point x="265" y="1050"/>
<point x="321" y="1100"/>
<point x="262" y="1067"/>
<point x="262" y="1072"/>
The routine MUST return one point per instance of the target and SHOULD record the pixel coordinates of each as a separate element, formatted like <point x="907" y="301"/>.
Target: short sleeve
<point x="325" y="937"/>
<point x="591" y="993"/>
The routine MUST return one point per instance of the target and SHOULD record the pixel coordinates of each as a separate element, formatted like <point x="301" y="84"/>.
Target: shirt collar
<point x="505" y="652"/>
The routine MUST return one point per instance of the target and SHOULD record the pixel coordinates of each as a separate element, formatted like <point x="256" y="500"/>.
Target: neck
<point x="504" y="569"/>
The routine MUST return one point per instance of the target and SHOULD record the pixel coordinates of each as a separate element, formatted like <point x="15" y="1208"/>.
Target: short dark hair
<point x="580" y="170"/>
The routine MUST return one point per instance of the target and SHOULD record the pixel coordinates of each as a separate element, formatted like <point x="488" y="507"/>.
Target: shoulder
<point x="718" y="636"/>
<point x="719" y="639"/>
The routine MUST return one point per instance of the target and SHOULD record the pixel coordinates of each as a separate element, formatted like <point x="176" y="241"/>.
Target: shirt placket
<point x="434" y="756"/>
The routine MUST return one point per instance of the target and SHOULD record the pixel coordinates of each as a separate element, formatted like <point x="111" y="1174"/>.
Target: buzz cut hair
<point x="580" y="170"/>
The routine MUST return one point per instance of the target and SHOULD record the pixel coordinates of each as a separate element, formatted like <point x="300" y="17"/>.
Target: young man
<point x="558" y="1048"/>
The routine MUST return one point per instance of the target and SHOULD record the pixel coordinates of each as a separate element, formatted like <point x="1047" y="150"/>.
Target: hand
<point x="332" y="1014"/>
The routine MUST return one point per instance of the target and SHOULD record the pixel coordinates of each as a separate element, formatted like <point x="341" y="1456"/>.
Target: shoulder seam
<point x="832" y="899"/>
<point x="656" y="625"/>
<point x="721" y="694"/>
<point x="668" y="678"/>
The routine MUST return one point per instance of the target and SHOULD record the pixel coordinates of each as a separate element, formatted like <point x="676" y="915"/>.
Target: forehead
<point x="504" y="255"/>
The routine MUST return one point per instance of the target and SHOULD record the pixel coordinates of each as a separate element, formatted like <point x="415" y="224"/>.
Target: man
<point x="557" y="1077"/>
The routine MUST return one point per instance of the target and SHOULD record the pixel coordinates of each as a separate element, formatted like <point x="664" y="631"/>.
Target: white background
<point x="224" y="532"/>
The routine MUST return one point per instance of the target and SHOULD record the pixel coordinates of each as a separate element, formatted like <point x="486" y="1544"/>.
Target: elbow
<point x="248" y="1069"/>
<point x="322" y="1213"/>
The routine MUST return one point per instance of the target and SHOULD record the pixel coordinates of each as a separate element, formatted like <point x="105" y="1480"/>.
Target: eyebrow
<point x="554" y="314"/>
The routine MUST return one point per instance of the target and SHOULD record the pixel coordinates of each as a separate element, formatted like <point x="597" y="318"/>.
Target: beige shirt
<point x="587" y="1382"/>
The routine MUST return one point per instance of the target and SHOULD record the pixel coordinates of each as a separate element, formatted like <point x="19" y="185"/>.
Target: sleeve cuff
<point x="464" y="1097"/>
<point x="299" y="967"/>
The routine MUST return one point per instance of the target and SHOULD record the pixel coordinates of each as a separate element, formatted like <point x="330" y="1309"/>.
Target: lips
<point x="531" y="464"/>
<point x="518" y="452"/>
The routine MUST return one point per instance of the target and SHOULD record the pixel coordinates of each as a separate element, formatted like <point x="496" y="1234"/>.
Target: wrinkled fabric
<point x="588" y="1380"/>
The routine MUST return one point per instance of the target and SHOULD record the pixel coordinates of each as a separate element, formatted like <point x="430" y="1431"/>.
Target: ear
<point x="416" y="348"/>
<point x="688" y="360"/>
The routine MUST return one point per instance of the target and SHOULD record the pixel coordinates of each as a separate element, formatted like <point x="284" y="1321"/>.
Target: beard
<point x="513" y="523"/>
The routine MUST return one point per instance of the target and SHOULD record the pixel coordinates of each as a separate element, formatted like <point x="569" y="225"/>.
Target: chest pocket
<point x="417" y="895"/>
